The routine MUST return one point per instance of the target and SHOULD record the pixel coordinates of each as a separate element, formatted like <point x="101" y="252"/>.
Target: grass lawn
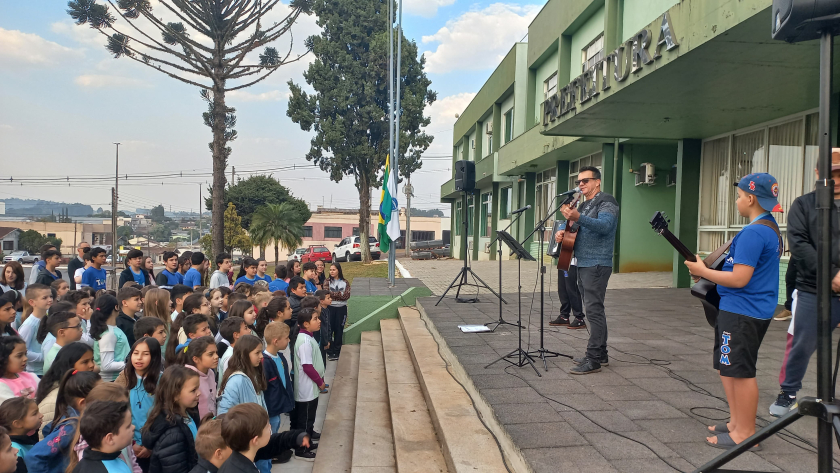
<point x="377" y="269"/>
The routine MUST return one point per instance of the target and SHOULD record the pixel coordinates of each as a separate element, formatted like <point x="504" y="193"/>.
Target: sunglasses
<point x="584" y="181"/>
<point x="73" y="326"/>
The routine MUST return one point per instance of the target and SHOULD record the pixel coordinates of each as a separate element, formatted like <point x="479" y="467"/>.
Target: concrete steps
<point x="373" y="442"/>
<point x="467" y="445"/>
<point x="415" y="442"/>
<point x="335" y="449"/>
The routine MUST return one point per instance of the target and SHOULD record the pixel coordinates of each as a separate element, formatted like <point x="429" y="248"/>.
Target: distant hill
<point x="41" y="208"/>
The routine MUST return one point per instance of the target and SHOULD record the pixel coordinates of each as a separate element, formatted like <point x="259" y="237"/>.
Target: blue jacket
<point x="51" y="455"/>
<point x="277" y="398"/>
<point x="238" y="390"/>
<point x="598" y="221"/>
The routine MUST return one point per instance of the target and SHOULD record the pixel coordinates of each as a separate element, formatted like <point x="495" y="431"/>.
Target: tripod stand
<point x="825" y="408"/>
<point x="503" y="235"/>
<point x="522" y="356"/>
<point x="541" y="352"/>
<point x="466" y="271"/>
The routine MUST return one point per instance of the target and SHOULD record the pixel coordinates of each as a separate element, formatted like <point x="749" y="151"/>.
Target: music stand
<point x="513" y="244"/>
<point x="522" y="356"/>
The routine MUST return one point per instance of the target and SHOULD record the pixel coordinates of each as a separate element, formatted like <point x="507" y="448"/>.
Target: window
<point x="8" y="245"/>
<point x="505" y="195"/>
<point x="332" y="232"/>
<point x="470" y="214"/>
<point x="459" y="210"/>
<point x="355" y="231"/>
<point x="486" y="214"/>
<point x="592" y="53"/>
<point x="550" y="86"/>
<point x="787" y="150"/>
<point x="422" y="235"/>
<point x="489" y="144"/>
<point x="574" y="166"/>
<point x="307" y="231"/>
<point x="544" y="195"/>
<point x="508" y="126"/>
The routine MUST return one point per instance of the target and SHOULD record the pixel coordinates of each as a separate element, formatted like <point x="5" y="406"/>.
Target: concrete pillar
<point x="494" y="211"/>
<point x="476" y="221"/>
<point x="478" y="153"/>
<point x="611" y="174"/>
<point x="530" y="199"/>
<point x="565" y="73"/>
<point x="530" y="102"/>
<point x="686" y="207"/>
<point x="612" y="24"/>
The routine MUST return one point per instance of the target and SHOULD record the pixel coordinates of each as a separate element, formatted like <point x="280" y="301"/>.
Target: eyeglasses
<point x="74" y="326"/>
<point x="584" y="181"/>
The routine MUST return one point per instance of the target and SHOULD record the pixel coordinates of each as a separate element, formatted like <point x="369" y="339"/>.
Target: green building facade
<point x="673" y="101"/>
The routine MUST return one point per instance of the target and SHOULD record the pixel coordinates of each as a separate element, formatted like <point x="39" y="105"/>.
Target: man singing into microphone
<point x="596" y="219"/>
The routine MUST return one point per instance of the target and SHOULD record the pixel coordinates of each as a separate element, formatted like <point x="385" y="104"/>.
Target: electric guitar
<point x="567" y="244"/>
<point x="703" y="289"/>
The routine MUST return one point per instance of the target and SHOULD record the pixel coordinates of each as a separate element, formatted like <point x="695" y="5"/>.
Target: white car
<point x="16" y="256"/>
<point x="350" y="248"/>
<point x="297" y="254"/>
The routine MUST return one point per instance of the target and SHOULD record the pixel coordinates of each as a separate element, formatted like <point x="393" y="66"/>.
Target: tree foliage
<point x="349" y="109"/>
<point x="235" y="236"/>
<point x="32" y="241"/>
<point x="158" y="214"/>
<point x="125" y="231"/>
<point x="160" y="232"/>
<point x="256" y="191"/>
<point x="281" y="224"/>
<point x="207" y="46"/>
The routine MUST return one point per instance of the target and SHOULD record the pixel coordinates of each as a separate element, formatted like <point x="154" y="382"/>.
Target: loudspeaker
<point x="464" y="176"/>
<point x="802" y="20"/>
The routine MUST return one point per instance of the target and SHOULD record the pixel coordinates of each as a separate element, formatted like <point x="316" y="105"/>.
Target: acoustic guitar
<point x="567" y="244"/>
<point x="703" y="289"/>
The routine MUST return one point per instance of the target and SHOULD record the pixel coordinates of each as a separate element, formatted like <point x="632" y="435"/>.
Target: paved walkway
<point x="438" y="274"/>
<point x="563" y="422"/>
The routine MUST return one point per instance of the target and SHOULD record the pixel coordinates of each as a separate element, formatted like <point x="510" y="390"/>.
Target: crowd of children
<point x="164" y="374"/>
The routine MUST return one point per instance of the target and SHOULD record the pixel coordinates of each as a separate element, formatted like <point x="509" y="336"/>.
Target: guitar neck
<point x="679" y="246"/>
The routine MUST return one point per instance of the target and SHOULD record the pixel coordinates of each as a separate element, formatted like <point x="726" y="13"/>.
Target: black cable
<point x="836" y="366"/>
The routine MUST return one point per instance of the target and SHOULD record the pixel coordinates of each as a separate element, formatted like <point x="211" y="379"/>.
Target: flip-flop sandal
<point x="725" y="442"/>
<point x="719" y="429"/>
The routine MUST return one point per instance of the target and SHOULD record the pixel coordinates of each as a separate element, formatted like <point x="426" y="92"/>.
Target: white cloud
<point x="19" y="49"/>
<point x="82" y="34"/>
<point x="442" y="115"/>
<point x="478" y="39"/>
<point x="425" y="8"/>
<point x="245" y="96"/>
<point x="100" y="81"/>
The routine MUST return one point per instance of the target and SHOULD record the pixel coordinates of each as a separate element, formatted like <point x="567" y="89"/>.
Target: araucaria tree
<point x="350" y="106"/>
<point x="207" y="45"/>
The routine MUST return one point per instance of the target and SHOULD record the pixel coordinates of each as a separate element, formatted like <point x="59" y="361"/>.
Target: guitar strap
<point x="713" y="256"/>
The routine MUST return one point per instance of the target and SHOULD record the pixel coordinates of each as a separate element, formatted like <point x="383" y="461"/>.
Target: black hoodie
<point x="172" y="445"/>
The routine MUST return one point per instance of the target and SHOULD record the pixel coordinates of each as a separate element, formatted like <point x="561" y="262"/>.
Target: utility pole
<point x="233" y="175"/>
<point x="114" y="211"/>
<point x="408" y="190"/>
<point x="199" y="215"/>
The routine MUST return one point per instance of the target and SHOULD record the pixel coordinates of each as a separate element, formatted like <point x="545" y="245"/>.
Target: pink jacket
<point x="207" y="387"/>
<point x="135" y="468"/>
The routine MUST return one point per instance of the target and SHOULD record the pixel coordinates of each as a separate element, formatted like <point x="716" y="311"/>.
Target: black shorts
<point x="737" y="338"/>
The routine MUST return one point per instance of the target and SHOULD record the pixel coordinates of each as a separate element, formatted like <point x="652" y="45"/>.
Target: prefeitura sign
<point x="629" y="57"/>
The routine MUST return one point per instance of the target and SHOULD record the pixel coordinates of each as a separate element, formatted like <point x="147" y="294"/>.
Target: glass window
<point x="422" y="235"/>
<point x="486" y="214"/>
<point x="470" y="214"/>
<point x="550" y="86"/>
<point x="574" y="166"/>
<point x="508" y="125"/>
<point x="8" y="245"/>
<point x="355" y="231"/>
<point x="459" y="210"/>
<point x="748" y="156"/>
<point x="592" y="53"/>
<point x="714" y="182"/>
<point x="307" y="231"/>
<point x="505" y="195"/>
<point x="545" y="192"/>
<point x="332" y="232"/>
<point x="785" y="160"/>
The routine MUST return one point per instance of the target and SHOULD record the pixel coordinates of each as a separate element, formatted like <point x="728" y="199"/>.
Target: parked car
<point x="351" y="248"/>
<point x="316" y="253"/>
<point x="297" y="254"/>
<point x="16" y="256"/>
<point x="29" y="259"/>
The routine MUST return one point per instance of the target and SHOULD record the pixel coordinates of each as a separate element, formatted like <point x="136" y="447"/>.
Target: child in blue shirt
<point x="107" y="428"/>
<point x="95" y="276"/>
<point x="170" y="276"/>
<point x="193" y="276"/>
<point x="262" y="265"/>
<point x="748" y="286"/>
<point x="310" y="275"/>
<point x="248" y="272"/>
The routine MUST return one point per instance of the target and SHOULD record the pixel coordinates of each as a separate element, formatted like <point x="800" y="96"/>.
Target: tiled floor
<point x="561" y="421"/>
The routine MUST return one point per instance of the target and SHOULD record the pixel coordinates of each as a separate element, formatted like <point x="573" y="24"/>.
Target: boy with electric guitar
<point x="748" y="285"/>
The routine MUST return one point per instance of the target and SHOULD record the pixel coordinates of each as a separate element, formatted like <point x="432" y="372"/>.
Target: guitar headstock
<point x="659" y="222"/>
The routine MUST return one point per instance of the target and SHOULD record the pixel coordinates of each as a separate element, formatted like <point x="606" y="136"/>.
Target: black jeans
<point x="303" y="417"/>
<point x="593" y="281"/>
<point x="567" y="289"/>
<point x="338" y="316"/>
<point x="790" y="282"/>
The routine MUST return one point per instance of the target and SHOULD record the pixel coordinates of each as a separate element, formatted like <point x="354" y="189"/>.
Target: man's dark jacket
<point x="802" y="238"/>
<point x="72" y="266"/>
<point x="279" y="442"/>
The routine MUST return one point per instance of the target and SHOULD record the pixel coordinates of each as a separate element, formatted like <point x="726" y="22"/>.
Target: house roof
<point x="6" y="230"/>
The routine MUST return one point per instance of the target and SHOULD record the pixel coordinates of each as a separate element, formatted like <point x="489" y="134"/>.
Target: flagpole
<point x="391" y="253"/>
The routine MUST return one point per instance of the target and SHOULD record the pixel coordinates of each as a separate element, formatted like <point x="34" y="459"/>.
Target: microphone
<point x="573" y="191"/>
<point x="520" y="210"/>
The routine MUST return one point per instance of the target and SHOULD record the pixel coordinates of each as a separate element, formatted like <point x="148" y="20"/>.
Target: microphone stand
<point x="498" y="242"/>
<point x="542" y="352"/>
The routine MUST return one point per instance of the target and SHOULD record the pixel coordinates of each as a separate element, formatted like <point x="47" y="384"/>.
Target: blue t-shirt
<point x="94" y="278"/>
<point x="192" y="278"/>
<point x="310" y="286"/>
<point x="245" y="280"/>
<point x="278" y="285"/>
<point x="265" y="278"/>
<point x="173" y="278"/>
<point x="756" y="246"/>
<point x="139" y="278"/>
<point x="192" y="427"/>
<point x="280" y="367"/>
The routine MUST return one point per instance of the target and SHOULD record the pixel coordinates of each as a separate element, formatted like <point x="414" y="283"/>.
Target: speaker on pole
<point x="464" y="176"/>
<point x="802" y="20"/>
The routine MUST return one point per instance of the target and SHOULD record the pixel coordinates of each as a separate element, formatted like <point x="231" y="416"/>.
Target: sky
<point x="64" y="101"/>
